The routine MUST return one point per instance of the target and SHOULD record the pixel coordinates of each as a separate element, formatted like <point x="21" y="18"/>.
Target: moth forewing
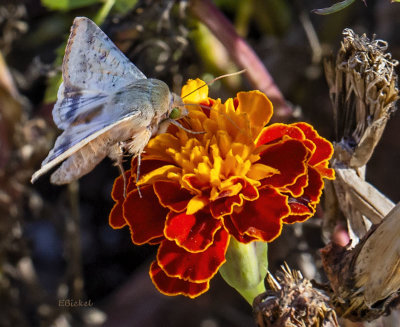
<point x="105" y="105"/>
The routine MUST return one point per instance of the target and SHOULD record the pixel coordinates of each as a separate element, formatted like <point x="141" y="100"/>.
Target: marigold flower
<point x="237" y="179"/>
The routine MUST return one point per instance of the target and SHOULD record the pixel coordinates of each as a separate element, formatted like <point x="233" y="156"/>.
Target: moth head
<point x="178" y="109"/>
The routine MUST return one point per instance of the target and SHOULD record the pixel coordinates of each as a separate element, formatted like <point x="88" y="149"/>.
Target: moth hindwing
<point x="105" y="105"/>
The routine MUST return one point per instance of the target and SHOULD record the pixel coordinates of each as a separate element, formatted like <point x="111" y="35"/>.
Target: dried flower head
<point x="363" y="89"/>
<point x="292" y="301"/>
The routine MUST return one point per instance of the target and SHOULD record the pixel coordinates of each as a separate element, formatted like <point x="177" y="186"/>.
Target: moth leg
<point x="118" y="162"/>
<point x="177" y="124"/>
<point x="139" y="161"/>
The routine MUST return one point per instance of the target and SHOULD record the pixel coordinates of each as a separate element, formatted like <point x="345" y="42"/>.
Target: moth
<point x="105" y="106"/>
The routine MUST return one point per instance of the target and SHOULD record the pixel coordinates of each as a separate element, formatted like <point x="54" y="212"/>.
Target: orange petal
<point x="258" y="108"/>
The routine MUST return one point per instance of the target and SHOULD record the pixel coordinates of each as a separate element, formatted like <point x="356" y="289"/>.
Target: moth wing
<point x="93" y="62"/>
<point x="74" y="104"/>
<point x="102" y="119"/>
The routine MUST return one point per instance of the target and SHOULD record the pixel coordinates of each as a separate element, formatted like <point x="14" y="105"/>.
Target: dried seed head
<point x="363" y="89"/>
<point x="293" y="302"/>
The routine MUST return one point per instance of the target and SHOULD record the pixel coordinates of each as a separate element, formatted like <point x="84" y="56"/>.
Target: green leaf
<point x="67" y="4"/>
<point x="334" y="8"/>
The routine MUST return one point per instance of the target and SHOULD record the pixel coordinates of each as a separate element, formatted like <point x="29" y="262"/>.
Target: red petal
<point x="324" y="170"/>
<point x="324" y="148"/>
<point x="313" y="191"/>
<point x="175" y="286"/>
<point x="145" y="216"/>
<point x="195" y="267"/>
<point x="171" y="195"/>
<point x="296" y="218"/>
<point x="224" y="206"/>
<point x="289" y="158"/>
<point x="116" y="217"/>
<point x="194" y="233"/>
<point x="275" y="132"/>
<point x="262" y="218"/>
<point x="297" y="188"/>
<point x="233" y="231"/>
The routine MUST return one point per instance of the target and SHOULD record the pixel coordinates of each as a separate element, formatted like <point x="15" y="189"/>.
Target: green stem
<point x="245" y="268"/>
<point x="103" y="12"/>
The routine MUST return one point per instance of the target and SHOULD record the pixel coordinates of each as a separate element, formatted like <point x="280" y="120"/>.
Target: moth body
<point x="105" y="105"/>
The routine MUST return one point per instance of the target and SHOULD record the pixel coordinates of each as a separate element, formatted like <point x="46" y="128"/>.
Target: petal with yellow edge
<point x="175" y="261"/>
<point x="175" y="286"/>
<point x="194" y="233"/>
<point x="262" y="219"/>
<point x="144" y="215"/>
<point x="171" y="195"/>
<point x="289" y="157"/>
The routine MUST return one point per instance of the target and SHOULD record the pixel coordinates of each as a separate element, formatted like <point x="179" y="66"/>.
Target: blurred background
<point x="55" y="242"/>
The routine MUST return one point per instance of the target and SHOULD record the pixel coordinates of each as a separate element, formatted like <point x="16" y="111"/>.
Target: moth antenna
<point x="214" y="80"/>
<point x="174" y="122"/>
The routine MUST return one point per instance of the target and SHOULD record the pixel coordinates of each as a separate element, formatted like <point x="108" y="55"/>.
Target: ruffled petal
<point x="194" y="233"/>
<point x="276" y="132"/>
<point x="297" y="188"/>
<point x="175" y="286"/>
<point x="145" y="217"/>
<point x="313" y="191"/>
<point x="116" y="218"/>
<point x="289" y="157"/>
<point x="171" y="195"/>
<point x="224" y="206"/>
<point x="324" y="148"/>
<point x="234" y="231"/>
<point x="194" y="267"/>
<point x="262" y="219"/>
<point x="324" y="170"/>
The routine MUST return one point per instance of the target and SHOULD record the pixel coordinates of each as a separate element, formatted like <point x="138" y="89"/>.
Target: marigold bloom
<point x="237" y="179"/>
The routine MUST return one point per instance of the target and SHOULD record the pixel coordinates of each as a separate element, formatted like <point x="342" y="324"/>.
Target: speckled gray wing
<point x="125" y="113"/>
<point x="93" y="62"/>
<point x="93" y="67"/>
